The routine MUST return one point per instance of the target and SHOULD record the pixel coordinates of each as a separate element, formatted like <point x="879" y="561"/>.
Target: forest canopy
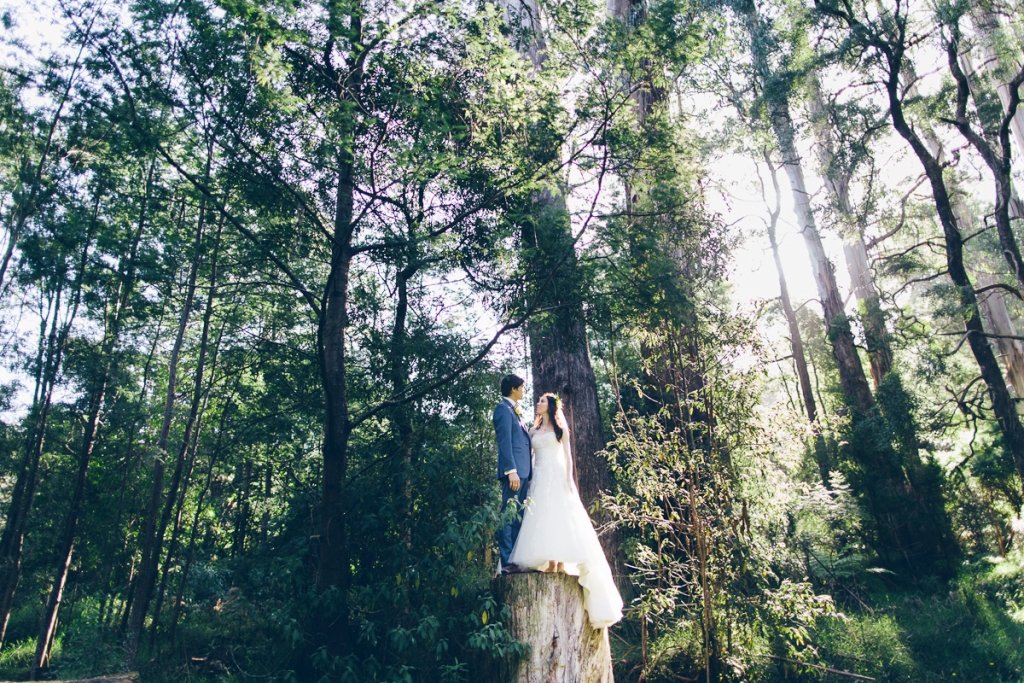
<point x="263" y="266"/>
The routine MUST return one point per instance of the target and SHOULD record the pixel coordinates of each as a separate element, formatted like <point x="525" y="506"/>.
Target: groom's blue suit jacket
<point x="513" y="442"/>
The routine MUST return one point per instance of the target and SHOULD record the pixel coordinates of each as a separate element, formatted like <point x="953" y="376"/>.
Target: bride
<point x="556" y="534"/>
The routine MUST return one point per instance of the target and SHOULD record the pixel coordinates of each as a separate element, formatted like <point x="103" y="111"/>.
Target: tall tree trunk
<point x="333" y="572"/>
<point x="1002" y="403"/>
<point x="559" y="352"/>
<point x="876" y="336"/>
<point x="128" y="462"/>
<point x="12" y="541"/>
<point x="112" y="336"/>
<point x="851" y="373"/>
<point x="907" y="519"/>
<point x="401" y="414"/>
<point x="151" y="536"/>
<point x="796" y="338"/>
<point x="194" y="527"/>
<point x="178" y="487"/>
<point x="546" y="612"/>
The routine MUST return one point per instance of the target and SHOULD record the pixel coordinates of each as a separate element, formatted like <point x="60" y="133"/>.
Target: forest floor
<point x="968" y="629"/>
<point x="971" y="629"/>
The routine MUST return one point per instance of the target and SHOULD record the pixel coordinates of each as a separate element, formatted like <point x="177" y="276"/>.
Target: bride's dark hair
<point x="554" y="405"/>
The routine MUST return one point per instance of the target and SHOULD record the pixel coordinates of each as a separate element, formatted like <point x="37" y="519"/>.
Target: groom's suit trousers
<point x="508" y="533"/>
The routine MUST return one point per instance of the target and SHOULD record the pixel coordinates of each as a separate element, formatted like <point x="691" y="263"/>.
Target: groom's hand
<point x="513" y="481"/>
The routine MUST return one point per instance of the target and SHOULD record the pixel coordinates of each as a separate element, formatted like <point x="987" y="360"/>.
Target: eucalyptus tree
<point x="559" y="347"/>
<point x="881" y="456"/>
<point x="807" y="400"/>
<point x="775" y="84"/>
<point x="373" y="142"/>
<point x="57" y="255"/>
<point x="837" y="167"/>
<point x="883" y="42"/>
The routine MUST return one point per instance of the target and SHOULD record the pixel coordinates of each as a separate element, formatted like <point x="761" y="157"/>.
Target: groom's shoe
<point x="513" y="569"/>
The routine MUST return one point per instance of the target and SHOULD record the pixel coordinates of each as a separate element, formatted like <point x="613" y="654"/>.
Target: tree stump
<point x="547" y="614"/>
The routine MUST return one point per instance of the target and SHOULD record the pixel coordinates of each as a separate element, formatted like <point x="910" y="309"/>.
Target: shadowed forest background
<point x="263" y="264"/>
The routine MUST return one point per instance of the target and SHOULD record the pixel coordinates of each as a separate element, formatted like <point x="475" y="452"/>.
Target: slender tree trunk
<point x="796" y="339"/>
<point x="401" y="414"/>
<point x="193" y="449"/>
<point x="128" y="463"/>
<point x="1002" y="403"/>
<point x="876" y="336"/>
<point x="180" y="478"/>
<point x="333" y="572"/>
<point x="12" y="540"/>
<point x="152" y="529"/>
<point x="851" y="373"/>
<point x="991" y="307"/>
<point x="66" y="546"/>
<point x="903" y="508"/>
<point x="194" y="528"/>
<point x="243" y="488"/>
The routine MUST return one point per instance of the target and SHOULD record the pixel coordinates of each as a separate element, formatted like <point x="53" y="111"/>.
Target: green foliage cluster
<point x="173" y="188"/>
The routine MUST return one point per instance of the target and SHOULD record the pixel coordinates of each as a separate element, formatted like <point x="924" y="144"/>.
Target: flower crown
<point x="555" y="398"/>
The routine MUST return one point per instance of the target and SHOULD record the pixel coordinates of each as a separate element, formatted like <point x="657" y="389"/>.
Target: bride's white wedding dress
<point x="556" y="527"/>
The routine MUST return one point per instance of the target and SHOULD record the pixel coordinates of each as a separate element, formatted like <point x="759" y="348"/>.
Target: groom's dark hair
<point x="510" y="382"/>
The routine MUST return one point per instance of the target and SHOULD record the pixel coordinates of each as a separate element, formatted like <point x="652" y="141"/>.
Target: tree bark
<point x="851" y="373"/>
<point x="333" y="572"/>
<point x="66" y="545"/>
<point x="547" y="614"/>
<point x="151" y="535"/>
<point x="12" y="541"/>
<point x="559" y="351"/>
<point x="402" y="430"/>
<point x="876" y="336"/>
<point x="194" y="527"/>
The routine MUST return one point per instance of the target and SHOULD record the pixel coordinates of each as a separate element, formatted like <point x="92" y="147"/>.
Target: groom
<point x="514" y="463"/>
